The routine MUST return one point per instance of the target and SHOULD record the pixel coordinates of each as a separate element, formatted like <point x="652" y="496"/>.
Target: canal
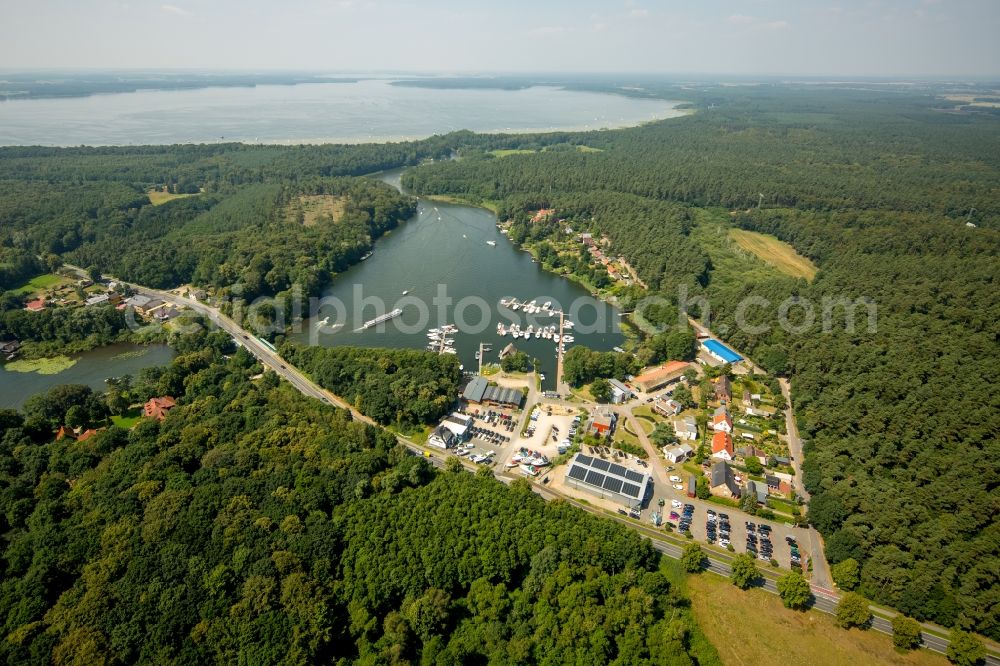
<point x="449" y="264"/>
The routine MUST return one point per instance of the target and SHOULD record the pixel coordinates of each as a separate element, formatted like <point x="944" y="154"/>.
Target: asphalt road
<point x="715" y="563"/>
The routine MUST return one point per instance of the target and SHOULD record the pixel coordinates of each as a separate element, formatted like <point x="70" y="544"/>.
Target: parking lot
<point x="492" y="432"/>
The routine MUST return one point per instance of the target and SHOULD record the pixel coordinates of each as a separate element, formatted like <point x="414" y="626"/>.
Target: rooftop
<point x="722" y="351"/>
<point x="608" y="477"/>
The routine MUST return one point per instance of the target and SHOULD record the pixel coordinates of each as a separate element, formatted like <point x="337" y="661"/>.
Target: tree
<point x="94" y="273"/>
<point x="905" y="632"/>
<point x="701" y="488"/>
<point x="794" y="590"/>
<point x="682" y="394"/>
<point x="753" y="465"/>
<point x="846" y="574"/>
<point x="965" y="649"/>
<point x="748" y="503"/>
<point x="76" y="416"/>
<point x="744" y="571"/>
<point x="601" y="390"/>
<point x="852" y="611"/>
<point x="692" y="559"/>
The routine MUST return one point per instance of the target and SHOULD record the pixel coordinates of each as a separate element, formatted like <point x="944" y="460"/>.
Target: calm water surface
<point x="92" y="368"/>
<point x="442" y="253"/>
<point x="370" y="110"/>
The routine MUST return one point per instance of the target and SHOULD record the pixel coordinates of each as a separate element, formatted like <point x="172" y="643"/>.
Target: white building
<point x="458" y="424"/>
<point x="619" y="392"/>
<point x="686" y="429"/>
<point x="442" y="438"/>
<point x="678" y="454"/>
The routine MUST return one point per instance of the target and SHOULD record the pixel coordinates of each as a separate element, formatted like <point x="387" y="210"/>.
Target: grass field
<point x="511" y="151"/>
<point x="39" y="282"/>
<point x="779" y="254"/>
<point x="313" y="207"/>
<point x="159" y="197"/>
<point x="129" y="420"/>
<point x="752" y="627"/>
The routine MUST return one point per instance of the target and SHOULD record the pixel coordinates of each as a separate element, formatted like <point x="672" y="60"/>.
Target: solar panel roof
<point x="630" y="490"/>
<point x="577" y="472"/>
<point x="634" y="476"/>
<point x="613" y="484"/>
<point x="595" y="478"/>
<point x="617" y="470"/>
<point x="584" y="460"/>
<point x="602" y="465"/>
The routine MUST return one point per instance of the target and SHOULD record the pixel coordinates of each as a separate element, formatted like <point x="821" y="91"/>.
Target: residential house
<point x="36" y="305"/>
<point x="165" y="314"/>
<point x="138" y="301"/>
<point x="722" y="481"/>
<point x="587" y="239"/>
<point x="659" y="377"/>
<point x="752" y="452"/>
<point x="686" y="429"/>
<point x="443" y="438"/>
<point x="150" y="307"/>
<point x="678" y="454"/>
<point x="668" y="408"/>
<point x="619" y="392"/>
<point x="158" y="407"/>
<point x="723" y="389"/>
<point x="722" y="422"/>
<point x="722" y="446"/>
<point x="99" y="299"/>
<point x="87" y="434"/>
<point x="601" y="425"/>
<point x="759" y="489"/>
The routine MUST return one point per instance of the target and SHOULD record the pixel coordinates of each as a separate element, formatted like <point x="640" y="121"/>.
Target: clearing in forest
<point x="779" y="254"/>
<point x="159" y="197"/>
<point x="309" y="209"/>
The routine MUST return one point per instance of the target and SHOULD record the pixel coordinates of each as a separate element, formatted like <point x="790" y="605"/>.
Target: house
<point x="722" y="446"/>
<point x="659" y="377"/>
<point x="198" y="294"/>
<point x="759" y="489"/>
<point x="87" y="434"/>
<point x="83" y="283"/>
<point x="678" y="454"/>
<point x="752" y="452"/>
<point x="619" y="392"/>
<point x="601" y="425"/>
<point x="758" y="411"/>
<point x="723" y="389"/>
<point x="543" y="214"/>
<point x="443" y="438"/>
<point x="138" y="301"/>
<point x="722" y="422"/>
<point x="782" y="460"/>
<point x="747" y="400"/>
<point x="158" y="407"/>
<point x="458" y="424"/>
<point x="773" y="483"/>
<point x="722" y="481"/>
<point x="587" y="239"/>
<point x="36" y="305"/>
<point x="100" y="299"/>
<point x="166" y="314"/>
<point x="65" y="432"/>
<point x="668" y="407"/>
<point x="686" y="428"/>
<point x="150" y="307"/>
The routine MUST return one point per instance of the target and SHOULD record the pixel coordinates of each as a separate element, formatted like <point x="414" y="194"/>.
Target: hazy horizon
<point x="923" y="39"/>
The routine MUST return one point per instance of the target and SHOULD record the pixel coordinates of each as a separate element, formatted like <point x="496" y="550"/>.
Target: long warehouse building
<point x="608" y="480"/>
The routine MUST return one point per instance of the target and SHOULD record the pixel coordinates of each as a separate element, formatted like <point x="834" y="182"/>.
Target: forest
<point x="254" y="525"/>
<point x="894" y="194"/>
<point x="401" y="387"/>
<point x="877" y="188"/>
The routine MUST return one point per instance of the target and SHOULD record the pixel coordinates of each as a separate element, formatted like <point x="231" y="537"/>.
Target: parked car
<point x="678" y="486"/>
<point x="676" y="504"/>
<point x="675" y="478"/>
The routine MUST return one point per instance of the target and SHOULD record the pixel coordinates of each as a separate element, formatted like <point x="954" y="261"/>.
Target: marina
<point x="429" y="258"/>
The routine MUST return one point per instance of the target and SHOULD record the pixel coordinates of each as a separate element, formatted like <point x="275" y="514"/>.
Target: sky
<point x="883" y="38"/>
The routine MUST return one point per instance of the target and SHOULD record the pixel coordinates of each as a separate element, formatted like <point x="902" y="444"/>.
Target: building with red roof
<point x="158" y="407"/>
<point x="722" y="446"/>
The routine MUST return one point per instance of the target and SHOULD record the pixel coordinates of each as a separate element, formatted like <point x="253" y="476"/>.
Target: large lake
<point x="366" y="111"/>
<point x="442" y="259"/>
<point x="91" y="368"/>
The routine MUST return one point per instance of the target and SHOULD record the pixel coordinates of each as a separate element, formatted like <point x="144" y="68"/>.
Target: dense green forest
<point x="255" y="525"/>
<point x="402" y="387"/>
<point x="902" y="425"/>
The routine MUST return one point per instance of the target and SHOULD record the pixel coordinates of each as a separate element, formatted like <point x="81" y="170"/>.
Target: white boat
<point x="531" y="329"/>
<point x="323" y="322"/>
<point x="538" y="333"/>
<point x="449" y="350"/>
<point x="555" y="337"/>
<point x="491" y="243"/>
<point x="567" y="324"/>
<point x="529" y="470"/>
<point x="546" y="305"/>
<point x="405" y="292"/>
<point x="515" y="305"/>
